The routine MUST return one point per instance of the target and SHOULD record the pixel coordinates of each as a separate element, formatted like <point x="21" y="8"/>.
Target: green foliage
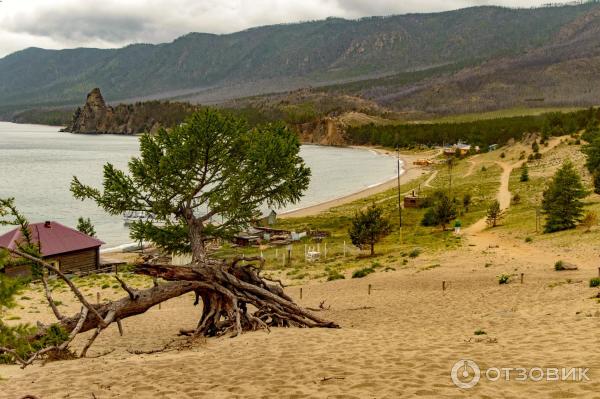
<point x="360" y="273"/>
<point x="441" y="213"/>
<point x="559" y="266"/>
<point x="369" y="227"/>
<point x="480" y="332"/>
<point x="561" y="202"/>
<point x="10" y="216"/>
<point x="85" y="226"/>
<point x="503" y="279"/>
<point x="467" y="198"/>
<point x="479" y="132"/>
<point x="213" y="164"/>
<point x="528" y="240"/>
<point x="415" y="253"/>
<point x="494" y="214"/>
<point x="335" y="275"/>
<point x="592" y="152"/>
<point x="19" y="339"/>
<point x="595" y="282"/>
<point x="524" y="173"/>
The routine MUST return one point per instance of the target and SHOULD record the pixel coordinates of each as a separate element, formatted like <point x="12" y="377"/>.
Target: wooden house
<point x="65" y="248"/>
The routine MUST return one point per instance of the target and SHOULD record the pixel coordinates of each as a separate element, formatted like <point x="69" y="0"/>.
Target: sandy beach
<point x="411" y="172"/>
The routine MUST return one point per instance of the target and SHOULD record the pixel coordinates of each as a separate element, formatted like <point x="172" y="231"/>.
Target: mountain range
<point x="468" y="60"/>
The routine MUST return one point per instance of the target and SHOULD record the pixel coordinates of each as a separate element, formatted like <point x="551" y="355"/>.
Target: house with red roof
<point x="66" y="248"/>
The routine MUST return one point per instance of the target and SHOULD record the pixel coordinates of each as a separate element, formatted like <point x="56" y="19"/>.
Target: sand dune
<point x="401" y="341"/>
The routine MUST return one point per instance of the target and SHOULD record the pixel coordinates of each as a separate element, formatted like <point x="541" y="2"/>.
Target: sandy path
<point x="473" y="163"/>
<point x="504" y="195"/>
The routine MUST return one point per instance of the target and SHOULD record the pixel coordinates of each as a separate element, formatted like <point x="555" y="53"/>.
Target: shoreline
<point x="410" y="172"/>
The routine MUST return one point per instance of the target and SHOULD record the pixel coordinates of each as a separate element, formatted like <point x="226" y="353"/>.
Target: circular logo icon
<point x="465" y="374"/>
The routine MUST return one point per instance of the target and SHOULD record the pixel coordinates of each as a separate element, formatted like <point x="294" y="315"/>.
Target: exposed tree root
<point x="235" y="298"/>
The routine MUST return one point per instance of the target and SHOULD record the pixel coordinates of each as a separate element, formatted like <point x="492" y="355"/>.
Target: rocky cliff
<point x="97" y="117"/>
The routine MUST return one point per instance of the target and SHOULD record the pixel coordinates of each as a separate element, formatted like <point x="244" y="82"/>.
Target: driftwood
<point x="225" y="290"/>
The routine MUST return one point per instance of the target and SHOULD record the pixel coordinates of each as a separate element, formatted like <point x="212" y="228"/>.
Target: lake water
<point x="37" y="164"/>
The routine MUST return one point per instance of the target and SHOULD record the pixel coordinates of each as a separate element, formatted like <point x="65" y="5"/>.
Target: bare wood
<point x="49" y="298"/>
<point x="120" y="327"/>
<point x="133" y="295"/>
<point x="53" y="269"/>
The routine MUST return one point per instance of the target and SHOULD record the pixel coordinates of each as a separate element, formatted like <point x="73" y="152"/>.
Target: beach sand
<point x="411" y="172"/>
<point x="400" y="341"/>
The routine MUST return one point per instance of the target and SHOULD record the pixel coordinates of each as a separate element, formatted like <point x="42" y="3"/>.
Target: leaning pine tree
<point x="211" y="167"/>
<point x="562" y="203"/>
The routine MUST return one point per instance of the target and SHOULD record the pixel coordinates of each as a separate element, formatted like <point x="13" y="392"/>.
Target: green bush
<point x="415" y="253"/>
<point x="559" y="266"/>
<point x="503" y="279"/>
<point x="595" y="282"/>
<point x="480" y="332"/>
<point x="335" y="275"/>
<point x="360" y="273"/>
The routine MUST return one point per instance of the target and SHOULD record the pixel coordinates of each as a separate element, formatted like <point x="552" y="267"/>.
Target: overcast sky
<point x="114" y="23"/>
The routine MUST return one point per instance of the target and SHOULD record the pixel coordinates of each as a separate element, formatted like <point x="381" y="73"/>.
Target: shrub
<point x="415" y="253"/>
<point x="595" y="282"/>
<point x="503" y="279"/>
<point x="589" y="220"/>
<point x="559" y="266"/>
<point x="528" y="239"/>
<point x="335" y="275"/>
<point x="494" y="214"/>
<point x="105" y="286"/>
<point x="524" y="173"/>
<point x="480" y="332"/>
<point x="360" y="273"/>
<point x="516" y="199"/>
<point x="503" y="155"/>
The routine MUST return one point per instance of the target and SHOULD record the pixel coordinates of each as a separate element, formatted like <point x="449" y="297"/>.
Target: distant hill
<point x="212" y="68"/>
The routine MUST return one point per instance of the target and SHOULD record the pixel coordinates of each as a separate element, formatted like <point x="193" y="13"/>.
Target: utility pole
<point x="399" y="193"/>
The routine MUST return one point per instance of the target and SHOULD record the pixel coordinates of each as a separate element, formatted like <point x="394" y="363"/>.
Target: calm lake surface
<point x="37" y="164"/>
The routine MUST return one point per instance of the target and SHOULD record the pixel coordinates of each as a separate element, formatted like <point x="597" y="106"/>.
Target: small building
<point x="414" y="201"/>
<point x="65" y="248"/>
<point x="268" y="219"/>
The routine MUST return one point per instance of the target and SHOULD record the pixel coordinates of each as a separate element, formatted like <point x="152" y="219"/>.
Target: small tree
<point x="466" y="202"/>
<point x="368" y="228"/>
<point x="524" y="173"/>
<point x="589" y="220"/>
<point x="562" y="203"/>
<point x="444" y="211"/>
<point x="593" y="162"/>
<point x="85" y="226"/>
<point x="494" y="214"/>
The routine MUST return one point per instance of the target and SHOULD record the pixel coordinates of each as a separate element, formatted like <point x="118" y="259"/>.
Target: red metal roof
<point x="53" y="238"/>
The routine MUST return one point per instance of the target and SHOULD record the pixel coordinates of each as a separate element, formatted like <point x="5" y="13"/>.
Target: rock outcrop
<point x="97" y="117"/>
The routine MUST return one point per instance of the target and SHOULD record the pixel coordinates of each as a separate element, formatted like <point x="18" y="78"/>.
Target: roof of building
<point x="53" y="239"/>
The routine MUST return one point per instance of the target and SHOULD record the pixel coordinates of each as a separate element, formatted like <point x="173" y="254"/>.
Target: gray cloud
<point x="113" y="23"/>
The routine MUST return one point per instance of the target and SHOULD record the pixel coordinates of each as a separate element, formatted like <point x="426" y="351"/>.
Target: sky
<point x="58" y="24"/>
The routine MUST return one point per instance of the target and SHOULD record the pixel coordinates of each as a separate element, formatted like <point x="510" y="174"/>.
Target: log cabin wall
<point x="81" y="261"/>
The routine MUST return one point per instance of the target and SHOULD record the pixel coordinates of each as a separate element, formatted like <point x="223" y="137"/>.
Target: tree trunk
<point x="372" y="248"/>
<point x="226" y="291"/>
